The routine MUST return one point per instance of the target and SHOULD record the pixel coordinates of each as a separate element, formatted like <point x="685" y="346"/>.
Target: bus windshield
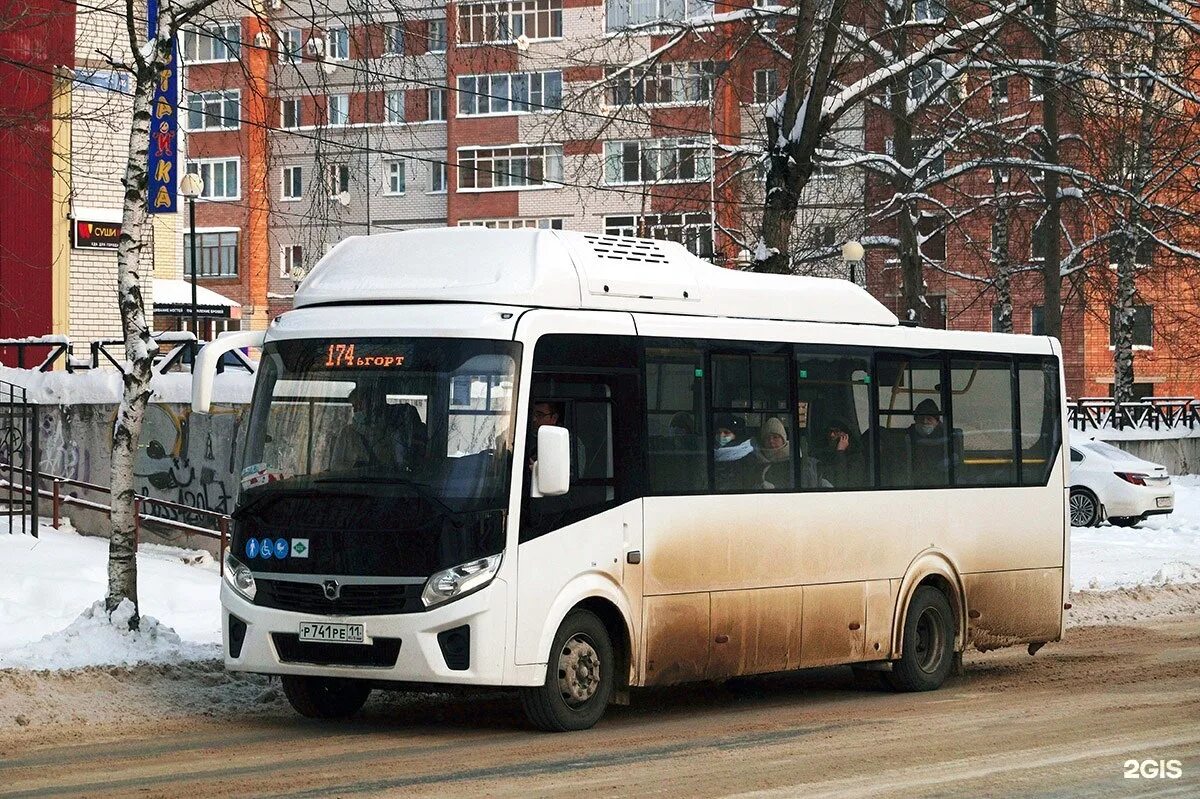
<point x="431" y="416"/>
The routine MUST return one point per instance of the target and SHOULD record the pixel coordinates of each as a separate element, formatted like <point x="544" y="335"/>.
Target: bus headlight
<point x="459" y="580"/>
<point x="238" y="575"/>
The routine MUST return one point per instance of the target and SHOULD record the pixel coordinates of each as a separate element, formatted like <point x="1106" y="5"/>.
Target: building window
<point x="290" y="114"/>
<point x="1039" y="241"/>
<point x="928" y="11"/>
<point x="1143" y="326"/>
<point x="621" y="14"/>
<point x="220" y="177"/>
<point x="507" y="21"/>
<point x="393" y="107"/>
<point x="519" y="92"/>
<point x="339" y="109"/>
<point x="766" y="85"/>
<point x="395" y="177"/>
<point x="337" y="44"/>
<point x="1037" y="320"/>
<point x="555" y="223"/>
<point x="289" y="45"/>
<point x="930" y="156"/>
<point x="291" y="261"/>
<point x="436" y="37"/>
<point x="437" y="105"/>
<point x="694" y="231"/>
<point x="931" y="230"/>
<point x="337" y="178"/>
<point x="293" y="182"/>
<point x="1143" y="255"/>
<point x="437" y="178"/>
<point x="657" y="160"/>
<point x="1000" y="87"/>
<point x="657" y="84"/>
<point x="217" y="254"/>
<point x="214" y="110"/>
<point x="1037" y="88"/>
<point x="509" y="167"/>
<point x="393" y="39"/>
<point x="925" y="80"/>
<point x="212" y="43"/>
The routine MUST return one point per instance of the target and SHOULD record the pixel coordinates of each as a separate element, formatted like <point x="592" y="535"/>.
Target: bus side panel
<point x="755" y="632"/>
<point x="676" y="630"/>
<point x="1013" y="607"/>
<point x="833" y="624"/>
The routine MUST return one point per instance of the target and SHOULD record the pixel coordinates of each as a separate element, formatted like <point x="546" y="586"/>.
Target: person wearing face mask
<point x="365" y="442"/>
<point x="731" y="448"/>
<point x="927" y="437"/>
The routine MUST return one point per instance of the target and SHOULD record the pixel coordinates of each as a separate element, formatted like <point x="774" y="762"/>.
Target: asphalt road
<point x="1063" y="723"/>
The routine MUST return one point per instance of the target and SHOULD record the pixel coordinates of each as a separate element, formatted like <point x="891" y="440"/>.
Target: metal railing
<point x="175" y="352"/>
<point x="58" y="498"/>
<point x="1153" y="413"/>
<point x="19" y="451"/>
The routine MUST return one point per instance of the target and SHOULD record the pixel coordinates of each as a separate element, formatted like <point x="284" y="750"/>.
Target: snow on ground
<point x="1163" y="550"/>
<point x="49" y="619"/>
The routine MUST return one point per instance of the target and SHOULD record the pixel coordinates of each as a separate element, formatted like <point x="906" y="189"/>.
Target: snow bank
<point x="1164" y="550"/>
<point x="48" y="618"/>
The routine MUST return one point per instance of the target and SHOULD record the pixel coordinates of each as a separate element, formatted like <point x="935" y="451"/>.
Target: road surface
<point x="1062" y="723"/>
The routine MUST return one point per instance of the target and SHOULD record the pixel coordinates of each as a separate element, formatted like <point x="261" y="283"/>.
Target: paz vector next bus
<point x="575" y="464"/>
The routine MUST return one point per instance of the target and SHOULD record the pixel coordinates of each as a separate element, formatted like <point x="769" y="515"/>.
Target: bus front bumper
<point x="269" y="642"/>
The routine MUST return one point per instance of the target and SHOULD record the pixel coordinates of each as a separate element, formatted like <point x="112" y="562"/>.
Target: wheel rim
<point x="931" y="640"/>
<point x="1083" y="509"/>
<point x="578" y="670"/>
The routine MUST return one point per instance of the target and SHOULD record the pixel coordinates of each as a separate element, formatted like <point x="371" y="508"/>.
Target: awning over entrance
<point x="174" y="298"/>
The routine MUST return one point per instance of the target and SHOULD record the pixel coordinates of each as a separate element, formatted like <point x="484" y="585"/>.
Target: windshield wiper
<point x="419" y="489"/>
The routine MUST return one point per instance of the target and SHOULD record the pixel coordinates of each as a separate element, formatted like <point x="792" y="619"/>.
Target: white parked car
<point x="1109" y="483"/>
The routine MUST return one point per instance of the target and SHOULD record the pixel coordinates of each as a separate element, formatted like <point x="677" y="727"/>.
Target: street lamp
<point x="191" y="187"/>
<point x="852" y="253"/>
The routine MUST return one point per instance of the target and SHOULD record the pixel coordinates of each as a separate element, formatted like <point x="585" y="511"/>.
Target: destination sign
<point x="362" y="356"/>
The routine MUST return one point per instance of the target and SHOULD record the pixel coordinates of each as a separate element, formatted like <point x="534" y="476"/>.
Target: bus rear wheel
<point x="325" y="697"/>
<point x="928" y="653"/>
<point x="580" y="677"/>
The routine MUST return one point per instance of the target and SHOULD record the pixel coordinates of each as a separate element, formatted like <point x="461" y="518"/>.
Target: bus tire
<point x="580" y="677"/>
<point x="325" y="697"/>
<point x="928" y="654"/>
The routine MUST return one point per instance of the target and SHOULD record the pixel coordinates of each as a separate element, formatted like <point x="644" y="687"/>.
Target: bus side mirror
<point x="552" y="475"/>
<point x="205" y="374"/>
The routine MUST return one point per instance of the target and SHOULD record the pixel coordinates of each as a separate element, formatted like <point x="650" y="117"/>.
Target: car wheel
<point x="580" y="677"/>
<point x="1124" y="521"/>
<point x="928" y="654"/>
<point x="1085" y="509"/>
<point x="325" y="697"/>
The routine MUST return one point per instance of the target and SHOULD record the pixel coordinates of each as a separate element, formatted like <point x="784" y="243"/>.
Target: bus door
<point x="590" y="385"/>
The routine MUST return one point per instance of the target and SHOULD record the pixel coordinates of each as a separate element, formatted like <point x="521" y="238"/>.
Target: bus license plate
<point x="1164" y="502"/>
<point x="326" y="632"/>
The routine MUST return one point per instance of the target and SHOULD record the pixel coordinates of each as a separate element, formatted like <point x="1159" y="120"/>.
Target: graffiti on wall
<point x="182" y="458"/>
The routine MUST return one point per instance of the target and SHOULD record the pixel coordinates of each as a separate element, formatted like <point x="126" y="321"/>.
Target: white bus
<point x="731" y="474"/>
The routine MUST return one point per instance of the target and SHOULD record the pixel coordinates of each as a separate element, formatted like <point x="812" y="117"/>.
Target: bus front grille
<point x="381" y="653"/>
<point x="353" y="599"/>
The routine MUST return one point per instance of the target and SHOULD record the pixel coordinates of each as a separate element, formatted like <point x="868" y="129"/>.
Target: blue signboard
<point x="163" y="175"/>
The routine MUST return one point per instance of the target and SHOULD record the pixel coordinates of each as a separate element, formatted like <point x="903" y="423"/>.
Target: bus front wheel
<point x="325" y="697"/>
<point x="928" y="653"/>
<point x="580" y="677"/>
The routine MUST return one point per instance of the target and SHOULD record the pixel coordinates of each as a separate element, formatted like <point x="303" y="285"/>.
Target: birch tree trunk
<point x="1123" y="340"/>
<point x="139" y="346"/>
<point x="1003" y="267"/>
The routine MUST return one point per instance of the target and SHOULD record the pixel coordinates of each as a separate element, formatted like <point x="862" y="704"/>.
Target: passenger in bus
<point x="366" y="441"/>
<point x="927" y="438"/>
<point x="773" y="454"/>
<point x="731" y="443"/>
<point x="841" y="457"/>
<point x="410" y="436"/>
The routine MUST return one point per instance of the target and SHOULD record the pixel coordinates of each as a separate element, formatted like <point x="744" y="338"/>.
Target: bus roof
<point x="566" y="269"/>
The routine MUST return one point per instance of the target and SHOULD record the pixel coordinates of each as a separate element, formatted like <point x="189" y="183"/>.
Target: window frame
<point x="468" y="159"/>
<point x="220" y="121"/>
<point x="202" y="250"/>
<point x="329" y="105"/>
<point x="299" y="117"/>
<point x="205" y="31"/>
<point x="209" y="163"/>
<point x="389" y="190"/>
<point x="288" y="182"/>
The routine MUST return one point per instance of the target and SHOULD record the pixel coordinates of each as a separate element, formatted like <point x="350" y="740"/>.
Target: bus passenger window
<point x="833" y="393"/>
<point x="981" y="393"/>
<point x="677" y="454"/>
<point x="753" y="436"/>
<point x="1040" y="424"/>
<point x="914" y="440"/>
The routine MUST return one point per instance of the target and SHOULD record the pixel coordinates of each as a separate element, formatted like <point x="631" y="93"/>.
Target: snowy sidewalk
<point x="52" y="582"/>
